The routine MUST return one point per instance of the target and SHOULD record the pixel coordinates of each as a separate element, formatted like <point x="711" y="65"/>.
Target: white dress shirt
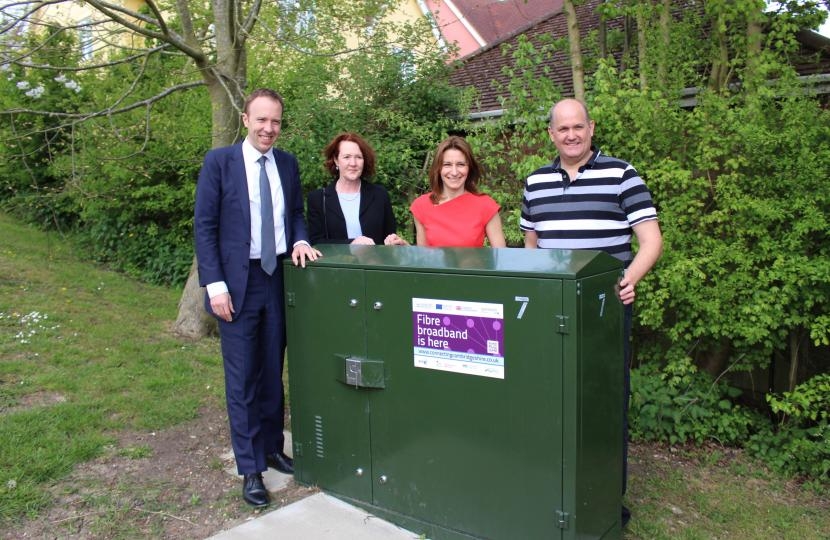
<point x="251" y="156"/>
<point x="252" y="167"/>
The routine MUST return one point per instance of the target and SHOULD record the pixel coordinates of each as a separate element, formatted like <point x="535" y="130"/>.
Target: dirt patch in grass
<point x="174" y="484"/>
<point x="36" y="399"/>
<point x="170" y="484"/>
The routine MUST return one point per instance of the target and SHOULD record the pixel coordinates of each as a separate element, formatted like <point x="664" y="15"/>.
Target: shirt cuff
<point x="301" y="243"/>
<point x="216" y="288"/>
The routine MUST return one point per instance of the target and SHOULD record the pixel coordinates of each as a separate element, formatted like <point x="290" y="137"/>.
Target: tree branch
<point x="159" y="17"/>
<point x="114" y="12"/>
<point x="109" y="110"/>
<point x="187" y="22"/>
<point x="251" y="19"/>
<point x="14" y="20"/>
<point x="88" y="67"/>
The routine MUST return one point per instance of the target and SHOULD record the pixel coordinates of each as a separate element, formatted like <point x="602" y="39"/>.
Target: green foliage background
<point x="741" y="185"/>
<point x="123" y="183"/>
<point x="740" y="179"/>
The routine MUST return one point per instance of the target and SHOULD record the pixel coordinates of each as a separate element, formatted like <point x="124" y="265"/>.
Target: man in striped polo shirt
<point x="587" y="200"/>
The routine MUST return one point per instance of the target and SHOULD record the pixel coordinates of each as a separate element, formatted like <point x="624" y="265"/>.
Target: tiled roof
<point x="484" y="69"/>
<point x="496" y="19"/>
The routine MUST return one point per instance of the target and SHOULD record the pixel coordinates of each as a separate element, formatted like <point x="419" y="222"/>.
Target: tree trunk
<point x="226" y="115"/>
<point x="715" y="360"/>
<point x="577" y="69"/>
<point x="626" y="52"/>
<point x="720" y="63"/>
<point x="642" y="15"/>
<point x="754" y="36"/>
<point x="226" y="82"/>
<point x="193" y="321"/>
<point x="602" y="36"/>
<point x="665" y="41"/>
<point x="794" y="346"/>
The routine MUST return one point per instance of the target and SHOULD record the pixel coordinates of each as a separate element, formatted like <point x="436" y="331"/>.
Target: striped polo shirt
<point x="594" y="211"/>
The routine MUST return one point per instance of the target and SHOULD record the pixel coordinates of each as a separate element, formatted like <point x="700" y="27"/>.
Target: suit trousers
<point x="253" y="350"/>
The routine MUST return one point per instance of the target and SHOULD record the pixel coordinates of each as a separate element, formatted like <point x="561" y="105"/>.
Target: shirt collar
<point x="588" y="164"/>
<point x="251" y="154"/>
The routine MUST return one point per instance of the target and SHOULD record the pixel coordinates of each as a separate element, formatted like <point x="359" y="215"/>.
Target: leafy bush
<point x="681" y="404"/>
<point x="144" y="251"/>
<point x="29" y="141"/>
<point x="800" y="443"/>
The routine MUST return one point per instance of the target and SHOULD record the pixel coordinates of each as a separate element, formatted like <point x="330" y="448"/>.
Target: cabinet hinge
<point x="562" y="519"/>
<point x="298" y="448"/>
<point x="562" y="324"/>
<point x="290" y="298"/>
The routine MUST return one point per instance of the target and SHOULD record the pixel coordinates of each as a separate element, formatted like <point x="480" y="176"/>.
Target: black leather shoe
<point x="626" y="516"/>
<point x="281" y="462"/>
<point x="253" y="490"/>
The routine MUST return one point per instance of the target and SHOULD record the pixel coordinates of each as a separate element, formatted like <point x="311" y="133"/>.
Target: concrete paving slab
<point x="318" y="517"/>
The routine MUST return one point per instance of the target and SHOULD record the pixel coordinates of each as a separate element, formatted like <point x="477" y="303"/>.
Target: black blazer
<point x="327" y="224"/>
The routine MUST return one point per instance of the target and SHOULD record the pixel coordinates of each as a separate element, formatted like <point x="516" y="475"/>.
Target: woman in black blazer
<point x="351" y="209"/>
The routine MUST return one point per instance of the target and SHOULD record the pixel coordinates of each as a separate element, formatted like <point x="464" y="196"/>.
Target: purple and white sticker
<point x="462" y="337"/>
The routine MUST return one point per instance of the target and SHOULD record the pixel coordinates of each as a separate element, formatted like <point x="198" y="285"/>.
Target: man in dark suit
<point x="248" y="214"/>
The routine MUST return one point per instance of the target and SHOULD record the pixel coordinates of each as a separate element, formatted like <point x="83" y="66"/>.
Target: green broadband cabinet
<point x="461" y="393"/>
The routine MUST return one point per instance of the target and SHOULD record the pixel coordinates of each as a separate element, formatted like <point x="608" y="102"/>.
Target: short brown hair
<point x="474" y="171"/>
<point x="262" y="92"/>
<point x="332" y="151"/>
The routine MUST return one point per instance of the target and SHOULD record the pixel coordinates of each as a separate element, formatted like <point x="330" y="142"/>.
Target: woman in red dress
<point x="454" y="213"/>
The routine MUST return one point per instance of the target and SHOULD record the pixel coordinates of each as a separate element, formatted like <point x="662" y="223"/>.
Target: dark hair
<point x="332" y="151"/>
<point x="453" y="142"/>
<point x="262" y="92"/>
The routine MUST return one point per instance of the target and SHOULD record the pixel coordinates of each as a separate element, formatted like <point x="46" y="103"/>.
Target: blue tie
<point x="266" y="209"/>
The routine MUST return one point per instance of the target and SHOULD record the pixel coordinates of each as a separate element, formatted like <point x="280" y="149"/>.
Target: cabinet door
<point x="598" y="399"/>
<point x="466" y="445"/>
<point x="325" y="315"/>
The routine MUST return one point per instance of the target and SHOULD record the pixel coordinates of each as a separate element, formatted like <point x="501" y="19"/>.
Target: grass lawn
<point x="717" y="493"/>
<point x="88" y="365"/>
<point x="86" y="353"/>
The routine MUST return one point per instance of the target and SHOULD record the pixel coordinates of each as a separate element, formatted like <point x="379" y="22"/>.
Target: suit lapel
<point x="287" y="193"/>
<point x="240" y="182"/>
<point x="333" y="204"/>
<point x="365" y="197"/>
<point x="282" y="169"/>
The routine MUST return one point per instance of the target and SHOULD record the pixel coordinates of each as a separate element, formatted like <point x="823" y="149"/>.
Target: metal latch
<point x="562" y="519"/>
<point x="362" y="372"/>
<point x="354" y="372"/>
<point x="562" y="326"/>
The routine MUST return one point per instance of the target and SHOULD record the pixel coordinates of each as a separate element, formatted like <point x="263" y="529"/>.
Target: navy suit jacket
<point x="222" y="219"/>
